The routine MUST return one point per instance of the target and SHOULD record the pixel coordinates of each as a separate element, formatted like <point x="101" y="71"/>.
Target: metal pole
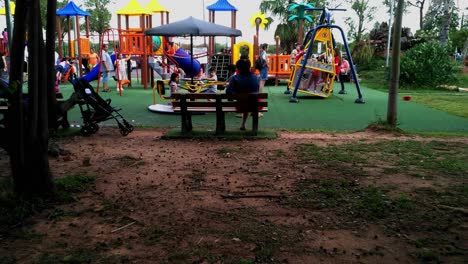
<point x="8" y="21"/>
<point x="389" y="32"/>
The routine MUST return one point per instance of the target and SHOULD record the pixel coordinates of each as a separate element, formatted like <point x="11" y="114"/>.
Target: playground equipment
<point x="132" y="40"/>
<point x="83" y="43"/>
<point x="221" y="6"/>
<point x="308" y="67"/>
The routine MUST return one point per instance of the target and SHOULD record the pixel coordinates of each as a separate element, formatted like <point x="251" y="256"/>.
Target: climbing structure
<point x="132" y="40"/>
<point x="221" y="5"/>
<point x="83" y="43"/>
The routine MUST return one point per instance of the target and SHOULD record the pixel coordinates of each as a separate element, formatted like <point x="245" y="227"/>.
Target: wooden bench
<point x="188" y="103"/>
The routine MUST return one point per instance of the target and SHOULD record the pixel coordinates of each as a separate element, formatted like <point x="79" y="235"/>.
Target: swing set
<point x="314" y="73"/>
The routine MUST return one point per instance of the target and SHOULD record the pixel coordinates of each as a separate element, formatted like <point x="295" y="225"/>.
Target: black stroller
<point x="94" y="109"/>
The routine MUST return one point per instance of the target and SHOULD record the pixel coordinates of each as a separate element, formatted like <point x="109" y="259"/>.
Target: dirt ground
<point x="217" y="201"/>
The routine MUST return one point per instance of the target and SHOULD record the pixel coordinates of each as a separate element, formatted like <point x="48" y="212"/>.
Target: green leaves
<point x="427" y="65"/>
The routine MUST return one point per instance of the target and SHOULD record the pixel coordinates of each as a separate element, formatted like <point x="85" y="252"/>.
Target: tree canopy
<point x="100" y="15"/>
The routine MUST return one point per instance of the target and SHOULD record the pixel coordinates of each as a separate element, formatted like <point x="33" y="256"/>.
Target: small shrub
<point x="427" y="65"/>
<point x="363" y="56"/>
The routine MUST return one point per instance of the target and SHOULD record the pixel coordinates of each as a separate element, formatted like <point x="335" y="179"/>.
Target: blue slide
<point x="184" y="60"/>
<point x="94" y="73"/>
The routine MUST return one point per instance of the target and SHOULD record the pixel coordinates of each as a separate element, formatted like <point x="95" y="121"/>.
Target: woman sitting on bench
<point x="244" y="82"/>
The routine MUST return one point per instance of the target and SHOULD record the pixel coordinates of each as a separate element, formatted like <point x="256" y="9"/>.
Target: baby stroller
<point x="94" y="109"/>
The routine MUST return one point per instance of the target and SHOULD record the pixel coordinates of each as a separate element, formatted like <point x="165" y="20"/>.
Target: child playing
<point x="174" y="83"/>
<point x="211" y="77"/>
<point x="122" y="78"/>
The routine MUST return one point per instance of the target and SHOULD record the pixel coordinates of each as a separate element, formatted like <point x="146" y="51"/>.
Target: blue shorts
<point x="264" y="74"/>
<point x="209" y="90"/>
<point x="105" y="77"/>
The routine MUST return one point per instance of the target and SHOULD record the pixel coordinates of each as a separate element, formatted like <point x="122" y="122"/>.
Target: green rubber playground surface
<point x="336" y="113"/>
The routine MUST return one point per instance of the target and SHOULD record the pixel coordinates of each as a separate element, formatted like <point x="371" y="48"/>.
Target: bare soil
<point x="217" y="201"/>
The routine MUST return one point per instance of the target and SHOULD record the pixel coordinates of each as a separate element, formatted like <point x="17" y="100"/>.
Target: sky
<point x="180" y="9"/>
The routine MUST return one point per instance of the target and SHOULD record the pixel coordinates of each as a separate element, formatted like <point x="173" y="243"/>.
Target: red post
<point x="277" y="60"/>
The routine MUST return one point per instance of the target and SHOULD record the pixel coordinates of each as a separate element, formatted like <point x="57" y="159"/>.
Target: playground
<point x="336" y="113"/>
<point x="323" y="181"/>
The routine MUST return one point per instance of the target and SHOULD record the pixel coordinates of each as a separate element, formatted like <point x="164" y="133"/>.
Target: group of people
<point x="241" y="79"/>
<point x="107" y="67"/>
<point x="317" y="80"/>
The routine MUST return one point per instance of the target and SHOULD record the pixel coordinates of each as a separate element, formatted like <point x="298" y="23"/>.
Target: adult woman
<point x="243" y="82"/>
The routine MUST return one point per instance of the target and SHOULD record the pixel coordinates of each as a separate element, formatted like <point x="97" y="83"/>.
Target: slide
<point x="94" y="73"/>
<point x="183" y="59"/>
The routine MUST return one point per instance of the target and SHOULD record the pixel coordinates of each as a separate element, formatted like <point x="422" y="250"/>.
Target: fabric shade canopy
<point x="193" y="27"/>
<point x="72" y="10"/>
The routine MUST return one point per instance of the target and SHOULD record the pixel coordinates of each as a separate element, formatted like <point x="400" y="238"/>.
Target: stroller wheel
<point x="93" y="128"/>
<point x="124" y="132"/>
<point x="128" y="126"/>
<point x="86" y="131"/>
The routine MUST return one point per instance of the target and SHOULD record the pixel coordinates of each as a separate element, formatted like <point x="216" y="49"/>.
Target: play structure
<point x="82" y="43"/>
<point x="314" y="73"/>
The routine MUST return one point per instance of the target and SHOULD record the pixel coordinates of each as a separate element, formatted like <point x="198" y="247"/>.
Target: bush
<point x="427" y="65"/>
<point x="363" y="55"/>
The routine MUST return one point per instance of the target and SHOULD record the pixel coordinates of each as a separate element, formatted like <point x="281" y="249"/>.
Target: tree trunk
<point x="27" y="122"/>
<point x="395" y="69"/>
<point x="446" y="26"/>
<point x="300" y="31"/>
<point x="50" y="60"/>
<point x="421" y="14"/>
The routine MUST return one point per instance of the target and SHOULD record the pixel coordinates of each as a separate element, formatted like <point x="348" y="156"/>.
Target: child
<point x="174" y="83"/>
<point x="122" y="78"/>
<point x="211" y="77"/>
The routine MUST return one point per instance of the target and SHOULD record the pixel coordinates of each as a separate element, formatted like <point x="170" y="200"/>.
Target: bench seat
<point x="188" y="103"/>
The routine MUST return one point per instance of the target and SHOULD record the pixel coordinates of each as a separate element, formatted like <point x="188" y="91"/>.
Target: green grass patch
<point x="69" y="186"/>
<point x="14" y="209"/>
<point x="79" y="255"/>
<point x="453" y="104"/>
<point x="228" y="135"/>
<point x="414" y="157"/>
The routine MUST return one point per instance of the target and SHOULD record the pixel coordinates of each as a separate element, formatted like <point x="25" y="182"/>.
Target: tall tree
<point x="442" y="15"/>
<point x="59" y="5"/>
<point x="365" y="13"/>
<point x="420" y="5"/>
<point x="392" y="112"/>
<point x="27" y="121"/>
<point x="100" y="15"/>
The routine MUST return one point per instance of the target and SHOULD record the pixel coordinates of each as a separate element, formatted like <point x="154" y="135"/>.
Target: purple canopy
<point x="72" y="10"/>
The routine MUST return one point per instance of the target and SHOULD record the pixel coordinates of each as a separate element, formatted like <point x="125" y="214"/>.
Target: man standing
<point x="106" y="67"/>
<point x="264" y="70"/>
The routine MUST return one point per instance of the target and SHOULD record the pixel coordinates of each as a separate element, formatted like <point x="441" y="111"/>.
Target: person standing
<point x="106" y="67"/>
<point x="93" y="59"/>
<point x="5" y="41"/>
<point x="3" y="67"/>
<point x="122" y="77"/>
<point x="337" y="63"/>
<point x="264" y="70"/>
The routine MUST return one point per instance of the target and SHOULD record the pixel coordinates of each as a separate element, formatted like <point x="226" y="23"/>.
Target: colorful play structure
<point x="83" y="43"/>
<point x="315" y="74"/>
